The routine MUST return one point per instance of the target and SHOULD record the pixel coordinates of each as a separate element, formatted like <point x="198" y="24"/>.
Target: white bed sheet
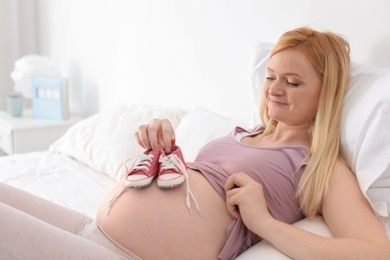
<point x="58" y="178"/>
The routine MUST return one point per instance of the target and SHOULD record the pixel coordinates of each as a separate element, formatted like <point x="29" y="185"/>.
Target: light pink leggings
<point x="34" y="228"/>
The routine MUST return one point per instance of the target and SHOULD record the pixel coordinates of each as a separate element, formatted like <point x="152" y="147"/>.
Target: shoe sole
<point x="139" y="184"/>
<point x="167" y="184"/>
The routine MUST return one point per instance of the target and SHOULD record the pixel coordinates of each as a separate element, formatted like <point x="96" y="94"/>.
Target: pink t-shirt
<point x="276" y="168"/>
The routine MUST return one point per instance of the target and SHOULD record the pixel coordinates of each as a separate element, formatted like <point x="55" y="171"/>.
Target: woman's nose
<point x="276" y="88"/>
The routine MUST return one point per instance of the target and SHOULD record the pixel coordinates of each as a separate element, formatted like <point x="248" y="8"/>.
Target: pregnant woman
<point x="241" y="188"/>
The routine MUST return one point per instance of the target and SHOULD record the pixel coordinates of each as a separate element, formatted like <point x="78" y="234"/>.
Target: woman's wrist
<point x="264" y="227"/>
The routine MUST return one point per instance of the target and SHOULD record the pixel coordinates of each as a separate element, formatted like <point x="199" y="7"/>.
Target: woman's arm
<point x="357" y="232"/>
<point x="351" y="219"/>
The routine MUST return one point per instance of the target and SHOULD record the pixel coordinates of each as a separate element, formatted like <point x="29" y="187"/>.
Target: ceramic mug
<point x="15" y="105"/>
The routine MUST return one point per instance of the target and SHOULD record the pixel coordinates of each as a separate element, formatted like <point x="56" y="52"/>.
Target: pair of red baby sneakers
<point x="170" y="169"/>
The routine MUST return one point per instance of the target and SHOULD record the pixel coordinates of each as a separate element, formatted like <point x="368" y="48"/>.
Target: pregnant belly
<point x="156" y="224"/>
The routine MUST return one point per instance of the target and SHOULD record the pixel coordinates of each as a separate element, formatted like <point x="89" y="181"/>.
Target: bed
<point x="80" y="167"/>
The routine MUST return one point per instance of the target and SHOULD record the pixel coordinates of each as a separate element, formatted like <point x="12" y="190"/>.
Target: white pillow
<point x="365" y="137"/>
<point x="257" y="72"/>
<point x="199" y="127"/>
<point x="265" y="250"/>
<point x="105" y="140"/>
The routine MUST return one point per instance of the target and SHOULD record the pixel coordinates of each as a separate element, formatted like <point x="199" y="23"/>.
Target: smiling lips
<point x="277" y="103"/>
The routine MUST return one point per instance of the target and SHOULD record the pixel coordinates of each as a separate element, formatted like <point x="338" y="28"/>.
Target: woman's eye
<point x="270" y="78"/>
<point x="292" y="84"/>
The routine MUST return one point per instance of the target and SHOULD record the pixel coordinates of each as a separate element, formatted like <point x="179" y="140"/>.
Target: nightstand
<point x="26" y="134"/>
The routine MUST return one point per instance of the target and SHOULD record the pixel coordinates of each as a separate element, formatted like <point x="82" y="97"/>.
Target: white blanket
<point x="58" y="178"/>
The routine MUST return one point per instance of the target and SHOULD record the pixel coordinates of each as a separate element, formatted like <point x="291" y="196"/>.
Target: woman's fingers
<point x="237" y="180"/>
<point x="156" y="135"/>
<point x="232" y="203"/>
<point x="168" y="135"/>
<point x="233" y="188"/>
<point x="153" y="132"/>
<point x="142" y="137"/>
<point x="245" y="199"/>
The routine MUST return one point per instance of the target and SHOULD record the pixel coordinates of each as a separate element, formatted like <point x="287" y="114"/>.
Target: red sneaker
<point x="173" y="173"/>
<point x="172" y="169"/>
<point x="143" y="169"/>
<point x="141" y="173"/>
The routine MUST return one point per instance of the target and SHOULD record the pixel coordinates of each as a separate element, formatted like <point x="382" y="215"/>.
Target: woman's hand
<point x="156" y="135"/>
<point x="245" y="199"/>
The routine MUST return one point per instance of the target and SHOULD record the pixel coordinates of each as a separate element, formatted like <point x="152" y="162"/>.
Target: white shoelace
<point x="139" y="162"/>
<point x="172" y="161"/>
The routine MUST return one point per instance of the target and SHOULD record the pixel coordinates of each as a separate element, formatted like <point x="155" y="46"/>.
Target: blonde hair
<point x="328" y="53"/>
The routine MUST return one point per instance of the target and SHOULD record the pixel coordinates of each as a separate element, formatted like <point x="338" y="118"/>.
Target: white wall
<point x="188" y="52"/>
<point x="17" y="38"/>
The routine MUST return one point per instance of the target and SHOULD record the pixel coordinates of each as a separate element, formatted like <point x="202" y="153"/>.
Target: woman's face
<point x="292" y="88"/>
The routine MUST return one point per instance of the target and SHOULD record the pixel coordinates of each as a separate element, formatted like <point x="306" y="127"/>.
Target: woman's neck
<point x="282" y="136"/>
<point x="291" y="135"/>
